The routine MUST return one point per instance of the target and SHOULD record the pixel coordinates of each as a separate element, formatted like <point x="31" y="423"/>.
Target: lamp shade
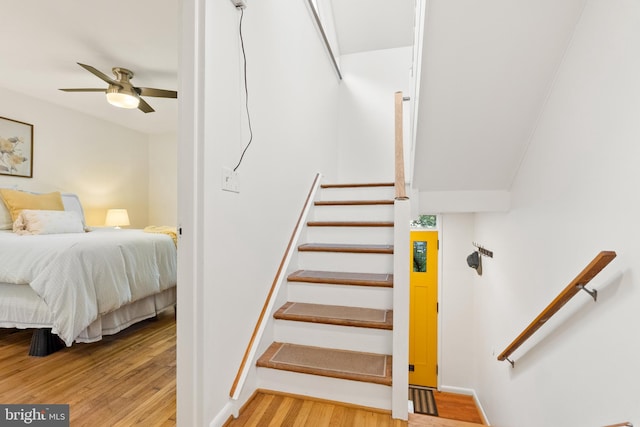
<point x="117" y="218"/>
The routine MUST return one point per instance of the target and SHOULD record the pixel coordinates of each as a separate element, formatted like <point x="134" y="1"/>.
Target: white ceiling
<point x="364" y="25"/>
<point x="43" y="40"/>
<point x="487" y="68"/>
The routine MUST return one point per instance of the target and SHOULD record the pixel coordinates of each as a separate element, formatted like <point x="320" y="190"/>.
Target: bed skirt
<point x="22" y="308"/>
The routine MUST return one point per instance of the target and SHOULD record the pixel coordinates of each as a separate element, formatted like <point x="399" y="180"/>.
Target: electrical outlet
<point x="239" y="3"/>
<point x="230" y="180"/>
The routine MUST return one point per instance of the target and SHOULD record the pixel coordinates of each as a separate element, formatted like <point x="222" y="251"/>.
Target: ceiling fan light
<point x="123" y="100"/>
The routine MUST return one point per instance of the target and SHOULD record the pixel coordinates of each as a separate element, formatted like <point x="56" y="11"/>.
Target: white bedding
<point x="83" y="275"/>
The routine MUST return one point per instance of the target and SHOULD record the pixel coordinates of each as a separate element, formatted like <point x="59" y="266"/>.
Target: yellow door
<point x="423" y="311"/>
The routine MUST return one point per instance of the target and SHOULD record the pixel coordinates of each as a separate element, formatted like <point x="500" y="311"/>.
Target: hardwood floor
<point x="276" y="409"/>
<point x="457" y="407"/>
<point x="129" y="379"/>
<point x="126" y="379"/>
<point x="416" y="420"/>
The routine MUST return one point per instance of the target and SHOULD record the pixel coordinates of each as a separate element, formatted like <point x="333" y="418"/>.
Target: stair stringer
<point x="248" y="379"/>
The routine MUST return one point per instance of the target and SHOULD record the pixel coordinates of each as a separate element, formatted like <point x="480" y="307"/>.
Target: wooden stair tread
<point x="336" y="315"/>
<point x="351" y="248"/>
<point x="342" y="278"/>
<point x="357" y="185"/>
<point x="350" y="223"/>
<point x="419" y="420"/>
<point x="330" y="359"/>
<point x="353" y="202"/>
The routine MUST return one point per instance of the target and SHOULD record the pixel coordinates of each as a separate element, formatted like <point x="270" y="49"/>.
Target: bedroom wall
<point x="105" y="164"/>
<point x="232" y="243"/>
<point x="163" y="179"/>
<point x="575" y="195"/>
<point x="366" y="120"/>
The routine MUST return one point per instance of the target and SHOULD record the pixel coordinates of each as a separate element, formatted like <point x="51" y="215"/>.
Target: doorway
<point x="423" y="309"/>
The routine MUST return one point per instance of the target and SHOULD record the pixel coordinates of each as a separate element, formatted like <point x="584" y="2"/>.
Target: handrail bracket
<point x="592" y="292"/>
<point x="513" y="363"/>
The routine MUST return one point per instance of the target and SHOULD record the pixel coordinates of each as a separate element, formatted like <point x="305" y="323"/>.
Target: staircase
<point x="333" y="335"/>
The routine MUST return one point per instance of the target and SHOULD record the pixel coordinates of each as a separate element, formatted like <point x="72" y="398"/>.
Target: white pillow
<point x="72" y="203"/>
<point x="47" y="222"/>
<point x="5" y="217"/>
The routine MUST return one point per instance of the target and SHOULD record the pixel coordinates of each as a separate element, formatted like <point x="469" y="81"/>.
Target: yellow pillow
<point x="16" y="201"/>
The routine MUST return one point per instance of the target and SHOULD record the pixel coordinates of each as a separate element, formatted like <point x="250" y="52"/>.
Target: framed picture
<point x="16" y="148"/>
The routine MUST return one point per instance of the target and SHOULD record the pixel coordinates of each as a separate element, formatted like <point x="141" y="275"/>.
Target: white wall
<point x="105" y="164"/>
<point x="464" y="201"/>
<point x="366" y="133"/>
<point x="163" y="179"/>
<point x="234" y="242"/>
<point x="575" y="194"/>
<point x="456" y="299"/>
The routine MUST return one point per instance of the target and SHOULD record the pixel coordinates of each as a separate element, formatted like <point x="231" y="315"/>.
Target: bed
<point x="78" y="286"/>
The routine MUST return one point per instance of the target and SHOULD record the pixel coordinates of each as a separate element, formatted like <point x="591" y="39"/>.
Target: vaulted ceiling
<point x="487" y="68"/>
<point x="365" y="25"/>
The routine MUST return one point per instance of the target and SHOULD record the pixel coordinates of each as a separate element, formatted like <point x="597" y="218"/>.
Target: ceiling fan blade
<point x="83" y="90"/>
<point x="143" y="106"/>
<point x="161" y="93"/>
<point x="100" y="74"/>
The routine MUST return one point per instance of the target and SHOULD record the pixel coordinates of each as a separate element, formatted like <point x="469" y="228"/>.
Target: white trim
<point x="439" y="230"/>
<point x="228" y="410"/>
<point x="402" y="217"/>
<point x="313" y="10"/>
<point x="419" y="27"/>
<point x="468" y="392"/>
<point x="190" y="345"/>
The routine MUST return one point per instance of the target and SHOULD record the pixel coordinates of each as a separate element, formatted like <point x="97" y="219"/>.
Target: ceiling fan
<point x="121" y="92"/>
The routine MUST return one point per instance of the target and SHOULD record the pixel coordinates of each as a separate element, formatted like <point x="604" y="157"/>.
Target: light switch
<point x="230" y="180"/>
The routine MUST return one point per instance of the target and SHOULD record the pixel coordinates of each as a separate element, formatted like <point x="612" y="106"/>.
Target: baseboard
<point x="468" y="392"/>
<point x="225" y="414"/>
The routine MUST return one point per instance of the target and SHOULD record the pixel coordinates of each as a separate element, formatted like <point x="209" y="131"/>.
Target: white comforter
<point x="83" y="275"/>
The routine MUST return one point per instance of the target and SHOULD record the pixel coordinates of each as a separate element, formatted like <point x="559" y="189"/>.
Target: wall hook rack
<point x="482" y="250"/>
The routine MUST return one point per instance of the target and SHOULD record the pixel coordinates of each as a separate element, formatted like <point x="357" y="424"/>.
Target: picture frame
<point x="16" y="148"/>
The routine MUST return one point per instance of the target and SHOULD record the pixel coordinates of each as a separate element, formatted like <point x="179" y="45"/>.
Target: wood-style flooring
<point x="273" y="409"/>
<point x="457" y="407"/>
<point x="270" y="409"/>
<point x="127" y="379"/>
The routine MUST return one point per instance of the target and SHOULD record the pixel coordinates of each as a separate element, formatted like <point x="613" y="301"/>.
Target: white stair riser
<point x="359" y="193"/>
<point x="348" y="262"/>
<point x="351" y="235"/>
<point x="353" y="213"/>
<point x="353" y="392"/>
<point x="332" y="336"/>
<point x="354" y="296"/>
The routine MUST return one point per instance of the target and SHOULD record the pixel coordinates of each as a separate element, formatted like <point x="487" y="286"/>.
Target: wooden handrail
<point x="625" y="424"/>
<point x="578" y="284"/>
<point x="272" y="291"/>
<point x="399" y="152"/>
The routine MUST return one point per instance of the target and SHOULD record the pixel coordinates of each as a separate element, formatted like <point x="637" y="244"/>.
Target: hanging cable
<point x="246" y="90"/>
